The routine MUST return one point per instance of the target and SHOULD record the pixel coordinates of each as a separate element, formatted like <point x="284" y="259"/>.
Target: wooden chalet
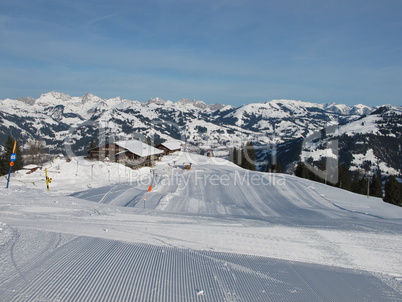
<point x="170" y="146"/>
<point x="132" y="153"/>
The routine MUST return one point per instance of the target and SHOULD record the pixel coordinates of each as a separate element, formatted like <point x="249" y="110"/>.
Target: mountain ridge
<point x="55" y="116"/>
<point x="89" y="97"/>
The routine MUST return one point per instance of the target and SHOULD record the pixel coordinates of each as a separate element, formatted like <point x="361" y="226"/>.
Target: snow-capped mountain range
<point x="58" y="118"/>
<point x="370" y="144"/>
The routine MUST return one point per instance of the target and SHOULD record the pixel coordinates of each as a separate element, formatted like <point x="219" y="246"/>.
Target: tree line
<point x="244" y="157"/>
<point x="359" y="183"/>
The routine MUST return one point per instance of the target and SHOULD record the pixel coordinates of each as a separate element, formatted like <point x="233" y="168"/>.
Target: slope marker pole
<point x="13" y="157"/>
<point x="48" y="180"/>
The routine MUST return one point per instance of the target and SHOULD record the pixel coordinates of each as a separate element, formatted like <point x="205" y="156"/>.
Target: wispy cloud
<point x="103" y="18"/>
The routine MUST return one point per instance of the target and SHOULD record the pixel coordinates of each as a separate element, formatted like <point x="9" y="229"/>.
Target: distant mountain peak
<point x="52" y="98"/>
<point x="298" y="103"/>
<point x="91" y="98"/>
<point x="360" y="109"/>
<point x="191" y="103"/>
<point x="156" y="101"/>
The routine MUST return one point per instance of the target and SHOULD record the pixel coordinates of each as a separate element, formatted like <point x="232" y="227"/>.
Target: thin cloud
<point x="100" y="19"/>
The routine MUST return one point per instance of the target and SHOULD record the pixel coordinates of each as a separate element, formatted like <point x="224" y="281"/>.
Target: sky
<point x="222" y="51"/>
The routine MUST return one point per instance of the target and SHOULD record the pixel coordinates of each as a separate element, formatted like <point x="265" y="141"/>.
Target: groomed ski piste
<point x="213" y="233"/>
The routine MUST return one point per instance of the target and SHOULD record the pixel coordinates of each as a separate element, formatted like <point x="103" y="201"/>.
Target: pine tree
<point x="299" y="170"/>
<point x="243" y="158"/>
<point x="92" y="144"/>
<point x="303" y="172"/>
<point x="359" y="184"/>
<point x="239" y="157"/>
<point x="274" y="168"/>
<point x="375" y="186"/>
<point x="321" y="168"/>
<point x="3" y="165"/>
<point x="345" y="178"/>
<point x="236" y="156"/>
<point x="231" y="155"/>
<point x="392" y="191"/>
<point x="252" y="156"/>
<point x="5" y="157"/>
<point x="248" y="157"/>
<point x="400" y="194"/>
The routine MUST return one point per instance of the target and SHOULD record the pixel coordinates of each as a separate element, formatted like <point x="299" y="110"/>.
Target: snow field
<point x="214" y="233"/>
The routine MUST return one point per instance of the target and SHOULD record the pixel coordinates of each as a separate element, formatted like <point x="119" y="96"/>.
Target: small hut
<point x="170" y="147"/>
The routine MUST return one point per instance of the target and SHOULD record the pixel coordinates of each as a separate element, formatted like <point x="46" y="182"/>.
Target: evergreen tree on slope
<point x="392" y="191"/>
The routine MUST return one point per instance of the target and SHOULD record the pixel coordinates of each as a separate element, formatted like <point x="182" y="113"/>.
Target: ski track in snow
<point x="92" y="269"/>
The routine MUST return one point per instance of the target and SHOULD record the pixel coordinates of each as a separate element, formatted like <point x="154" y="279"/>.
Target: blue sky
<point x="221" y="51"/>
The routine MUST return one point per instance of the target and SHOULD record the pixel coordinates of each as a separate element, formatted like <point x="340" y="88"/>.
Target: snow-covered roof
<point x="173" y="145"/>
<point x="30" y="167"/>
<point x="138" y="148"/>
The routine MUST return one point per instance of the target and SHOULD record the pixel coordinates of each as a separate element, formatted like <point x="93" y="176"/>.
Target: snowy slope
<point x="214" y="233"/>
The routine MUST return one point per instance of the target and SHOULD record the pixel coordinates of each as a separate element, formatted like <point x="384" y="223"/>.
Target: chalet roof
<point x="173" y="145"/>
<point x="138" y="148"/>
<point x="30" y="167"/>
